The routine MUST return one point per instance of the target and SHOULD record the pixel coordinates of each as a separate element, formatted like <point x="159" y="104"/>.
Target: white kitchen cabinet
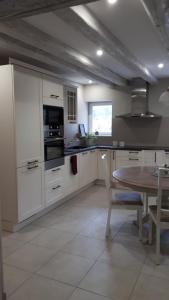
<point x="54" y="185"/>
<point x="84" y="168"/>
<point x="71" y="182"/>
<point x="21" y="130"/>
<point x="153" y="158"/>
<point x="30" y="185"/>
<point x="70" y="104"/>
<point x="113" y="160"/>
<point x="93" y="167"/>
<point x="52" y="92"/>
<point x="126" y="158"/>
<point x="28" y="116"/>
<point x="101" y="174"/>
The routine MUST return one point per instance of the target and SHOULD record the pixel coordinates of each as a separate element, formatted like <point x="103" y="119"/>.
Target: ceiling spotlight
<point x="161" y="65"/>
<point x="90" y="81"/>
<point x="112" y="1"/>
<point x="99" y="52"/>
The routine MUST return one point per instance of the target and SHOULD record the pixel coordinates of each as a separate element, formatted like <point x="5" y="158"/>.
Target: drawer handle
<point x="133" y="159"/>
<point x="84" y="153"/>
<point x="56" y="187"/>
<point x="54" y="96"/>
<point x="136" y="152"/>
<point x="55" y="170"/>
<point x="32" y="162"/>
<point x="92" y="151"/>
<point x="33" y="167"/>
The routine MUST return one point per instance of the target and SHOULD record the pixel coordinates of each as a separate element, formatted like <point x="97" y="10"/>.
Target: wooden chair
<point x="159" y="214"/>
<point x="121" y="200"/>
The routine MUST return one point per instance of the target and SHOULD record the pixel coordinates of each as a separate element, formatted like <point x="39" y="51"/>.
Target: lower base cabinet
<point x="30" y="186"/>
<point x="54" y="185"/>
<point x="101" y="175"/>
<point x="71" y="182"/>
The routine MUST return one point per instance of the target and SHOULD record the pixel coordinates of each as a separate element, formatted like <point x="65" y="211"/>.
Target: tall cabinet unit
<point x="22" y="144"/>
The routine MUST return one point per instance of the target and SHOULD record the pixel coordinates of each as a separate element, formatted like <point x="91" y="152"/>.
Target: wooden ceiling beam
<point x="10" y="9"/>
<point x="26" y="36"/>
<point x="83" y="20"/>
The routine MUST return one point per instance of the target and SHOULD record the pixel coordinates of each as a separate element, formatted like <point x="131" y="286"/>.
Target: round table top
<point x="140" y="178"/>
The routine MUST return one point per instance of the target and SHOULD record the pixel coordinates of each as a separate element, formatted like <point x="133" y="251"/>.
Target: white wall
<point x="155" y="92"/>
<point x="121" y="101"/>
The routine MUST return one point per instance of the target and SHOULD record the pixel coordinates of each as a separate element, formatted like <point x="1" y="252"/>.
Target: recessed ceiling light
<point x="90" y="81"/>
<point x="112" y="1"/>
<point x="161" y="65"/>
<point x="99" y="52"/>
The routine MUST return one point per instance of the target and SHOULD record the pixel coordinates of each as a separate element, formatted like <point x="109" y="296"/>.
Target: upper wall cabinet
<point x="70" y="104"/>
<point x="52" y="92"/>
<point x="28" y="116"/>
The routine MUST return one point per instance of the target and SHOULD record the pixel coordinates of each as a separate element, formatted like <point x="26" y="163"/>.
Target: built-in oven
<point x="53" y="122"/>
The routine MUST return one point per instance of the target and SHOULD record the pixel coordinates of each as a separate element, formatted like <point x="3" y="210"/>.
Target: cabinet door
<point x="160" y="158"/>
<point x="30" y="183"/>
<point x="84" y="168"/>
<point x="149" y="158"/>
<point x="92" y="165"/>
<point x="101" y="168"/>
<point x="71" y="182"/>
<point x="70" y="105"/>
<point x="28" y="110"/>
<point x="52" y="92"/>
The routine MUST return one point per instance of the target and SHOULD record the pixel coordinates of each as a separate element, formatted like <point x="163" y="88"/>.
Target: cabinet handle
<point x="55" y="170"/>
<point x="136" y="152"/>
<point x="33" y="167"/>
<point x="84" y="153"/>
<point x="133" y="159"/>
<point x="32" y="162"/>
<point x="155" y="157"/>
<point x="56" y="187"/>
<point x="54" y="96"/>
<point x="92" y="151"/>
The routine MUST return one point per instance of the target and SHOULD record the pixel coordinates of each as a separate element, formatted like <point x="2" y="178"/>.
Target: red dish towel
<point x="73" y="161"/>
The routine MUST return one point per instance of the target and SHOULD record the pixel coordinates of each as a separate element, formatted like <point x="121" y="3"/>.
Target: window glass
<point x="100" y="118"/>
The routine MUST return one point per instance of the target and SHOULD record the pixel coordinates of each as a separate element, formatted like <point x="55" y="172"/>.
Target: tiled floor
<point x="64" y="256"/>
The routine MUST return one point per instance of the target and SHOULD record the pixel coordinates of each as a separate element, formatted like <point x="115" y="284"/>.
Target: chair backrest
<point x="161" y="199"/>
<point x="107" y="175"/>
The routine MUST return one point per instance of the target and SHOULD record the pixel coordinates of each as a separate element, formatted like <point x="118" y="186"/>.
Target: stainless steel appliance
<point x="53" y="122"/>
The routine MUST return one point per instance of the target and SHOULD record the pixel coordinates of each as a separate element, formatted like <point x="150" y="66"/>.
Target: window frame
<point x="90" y="107"/>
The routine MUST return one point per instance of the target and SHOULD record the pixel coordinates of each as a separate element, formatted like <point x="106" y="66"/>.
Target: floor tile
<point x="109" y="281"/>
<point x="67" y="268"/>
<point x="27" y="233"/>
<point x="39" y="288"/>
<point x="84" y="295"/>
<point x="29" y="257"/>
<point x="124" y="257"/>
<point x="151" y="268"/>
<point x="151" y="288"/>
<point x="85" y="247"/>
<point x="13" y="278"/>
<point x="10" y="245"/>
<point x="53" y="239"/>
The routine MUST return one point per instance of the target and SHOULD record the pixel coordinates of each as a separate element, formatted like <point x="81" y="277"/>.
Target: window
<point x="100" y="118"/>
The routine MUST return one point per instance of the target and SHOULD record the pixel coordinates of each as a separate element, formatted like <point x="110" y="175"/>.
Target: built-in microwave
<point x="53" y="122"/>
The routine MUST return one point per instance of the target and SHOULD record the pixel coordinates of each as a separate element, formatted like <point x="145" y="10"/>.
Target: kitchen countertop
<point x="70" y="151"/>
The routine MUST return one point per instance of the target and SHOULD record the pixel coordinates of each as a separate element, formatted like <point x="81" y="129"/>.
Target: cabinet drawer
<point x="52" y="92"/>
<point x="54" y="192"/>
<point x="54" y="174"/>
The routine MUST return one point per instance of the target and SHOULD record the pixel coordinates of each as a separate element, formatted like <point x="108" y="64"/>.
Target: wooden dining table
<point x="142" y="179"/>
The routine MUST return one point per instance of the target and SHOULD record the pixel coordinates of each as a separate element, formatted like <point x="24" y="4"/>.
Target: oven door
<point x="54" y="152"/>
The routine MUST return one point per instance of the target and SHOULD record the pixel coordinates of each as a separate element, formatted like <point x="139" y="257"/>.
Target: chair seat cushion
<point x="127" y="198"/>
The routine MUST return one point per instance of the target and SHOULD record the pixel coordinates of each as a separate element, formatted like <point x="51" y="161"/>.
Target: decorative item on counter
<point x="88" y="140"/>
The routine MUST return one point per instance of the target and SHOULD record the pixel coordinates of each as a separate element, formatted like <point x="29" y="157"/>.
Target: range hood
<point x="139" y="102"/>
